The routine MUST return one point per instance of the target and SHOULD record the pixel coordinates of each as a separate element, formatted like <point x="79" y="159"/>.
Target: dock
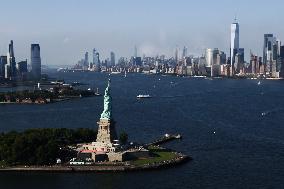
<point x="164" y="139"/>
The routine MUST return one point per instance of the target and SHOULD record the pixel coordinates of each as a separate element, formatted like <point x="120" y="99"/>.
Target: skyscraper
<point x="96" y="60"/>
<point x="36" y="61"/>
<point x="7" y="71"/>
<point x="22" y="68"/>
<point x="211" y="57"/>
<point x="112" y="59"/>
<point x="135" y="51"/>
<point x="214" y="58"/>
<point x="282" y="61"/>
<point x="96" y="57"/>
<point x="12" y="61"/>
<point x="86" y="60"/>
<point x="271" y="55"/>
<point x="234" y="41"/>
<point x="184" y="52"/>
<point x="176" y="55"/>
<point x="3" y="62"/>
<point x="267" y="46"/>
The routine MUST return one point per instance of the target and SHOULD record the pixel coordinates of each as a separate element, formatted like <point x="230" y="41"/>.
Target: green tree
<point x="123" y="138"/>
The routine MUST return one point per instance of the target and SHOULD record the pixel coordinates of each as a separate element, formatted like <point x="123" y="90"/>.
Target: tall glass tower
<point x="36" y="61"/>
<point x="12" y="61"/>
<point x="234" y="41"/>
<point x="112" y="59"/>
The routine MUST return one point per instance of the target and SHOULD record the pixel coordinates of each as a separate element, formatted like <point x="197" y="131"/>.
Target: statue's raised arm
<point x="107" y="113"/>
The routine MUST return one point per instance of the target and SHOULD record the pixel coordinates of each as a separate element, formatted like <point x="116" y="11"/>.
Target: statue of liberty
<point x="107" y="113"/>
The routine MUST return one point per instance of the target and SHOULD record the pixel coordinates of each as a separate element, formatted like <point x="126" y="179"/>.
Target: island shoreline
<point x="181" y="159"/>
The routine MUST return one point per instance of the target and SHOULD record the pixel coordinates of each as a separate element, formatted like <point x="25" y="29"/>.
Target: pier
<point x="164" y="139"/>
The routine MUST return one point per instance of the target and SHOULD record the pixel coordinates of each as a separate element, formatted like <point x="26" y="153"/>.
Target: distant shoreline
<point x="52" y="102"/>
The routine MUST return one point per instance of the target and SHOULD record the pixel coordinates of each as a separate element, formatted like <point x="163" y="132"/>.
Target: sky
<point x="66" y="29"/>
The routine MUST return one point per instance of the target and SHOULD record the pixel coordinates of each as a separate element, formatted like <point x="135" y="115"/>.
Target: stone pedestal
<point x="106" y="131"/>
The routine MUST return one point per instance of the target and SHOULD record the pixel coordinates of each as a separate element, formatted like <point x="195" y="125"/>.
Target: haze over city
<point x="67" y="29"/>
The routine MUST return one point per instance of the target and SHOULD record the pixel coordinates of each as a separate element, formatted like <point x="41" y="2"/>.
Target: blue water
<point x="233" y="145"/>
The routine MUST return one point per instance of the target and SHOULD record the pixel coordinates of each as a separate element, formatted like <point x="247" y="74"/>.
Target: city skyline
<point x="154" y="27"/>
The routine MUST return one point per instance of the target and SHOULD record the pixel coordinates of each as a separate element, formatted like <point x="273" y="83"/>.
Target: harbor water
<point x="233" y="130"/>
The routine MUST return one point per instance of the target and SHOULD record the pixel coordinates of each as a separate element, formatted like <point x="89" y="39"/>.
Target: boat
<point x="97" y="93"/>
<point x="178" y="136"/>
<point x="143" y="96"/>
<point x="115" y="72"/>
<point x="125" y="75"/>
<point x="76" y="83"/>
<point x="259" y="83"/>
<point x="209" y="78"/>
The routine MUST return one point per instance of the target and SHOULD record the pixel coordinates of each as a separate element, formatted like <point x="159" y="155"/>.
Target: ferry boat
<point x="143" y="96"/>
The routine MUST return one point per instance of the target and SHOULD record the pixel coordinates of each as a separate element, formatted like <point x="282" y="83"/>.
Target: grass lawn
<point x="157" y="155"/>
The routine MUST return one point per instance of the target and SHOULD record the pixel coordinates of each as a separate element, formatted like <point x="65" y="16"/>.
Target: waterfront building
<point x="215" y="70"/>
<point x="3" y="62"/>
<point x="7" y="71"/>
<point x="239" y="61"/>
<point x="225" y="70"/>
<point x="201" y="66"/>
<point x="274" y="72"/>
<point x="135" y="61"/>
<point x="209" y="57"/>
<point x="96" y="60"/>
<point x="282" y="61"/>
<point x="255" y="64"/>
<point x="267" y="47"/>
<point x="214" y="59"/>
<point x="36" y="61"/>
<point x="112" y="59"/>
<point x="278" y="58"/>
<point x="234" y="42"/>
<point x="22" y="66"/>
<point x="272" y="55"/>
<point x="86" y="61"/>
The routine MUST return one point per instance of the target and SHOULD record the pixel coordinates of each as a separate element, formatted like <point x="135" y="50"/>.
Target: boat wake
<point x="174" y="96"/>
<point x="268" y="112"/>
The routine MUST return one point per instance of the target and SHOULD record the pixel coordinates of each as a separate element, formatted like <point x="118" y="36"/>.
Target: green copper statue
<point x="107" y="113"/>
